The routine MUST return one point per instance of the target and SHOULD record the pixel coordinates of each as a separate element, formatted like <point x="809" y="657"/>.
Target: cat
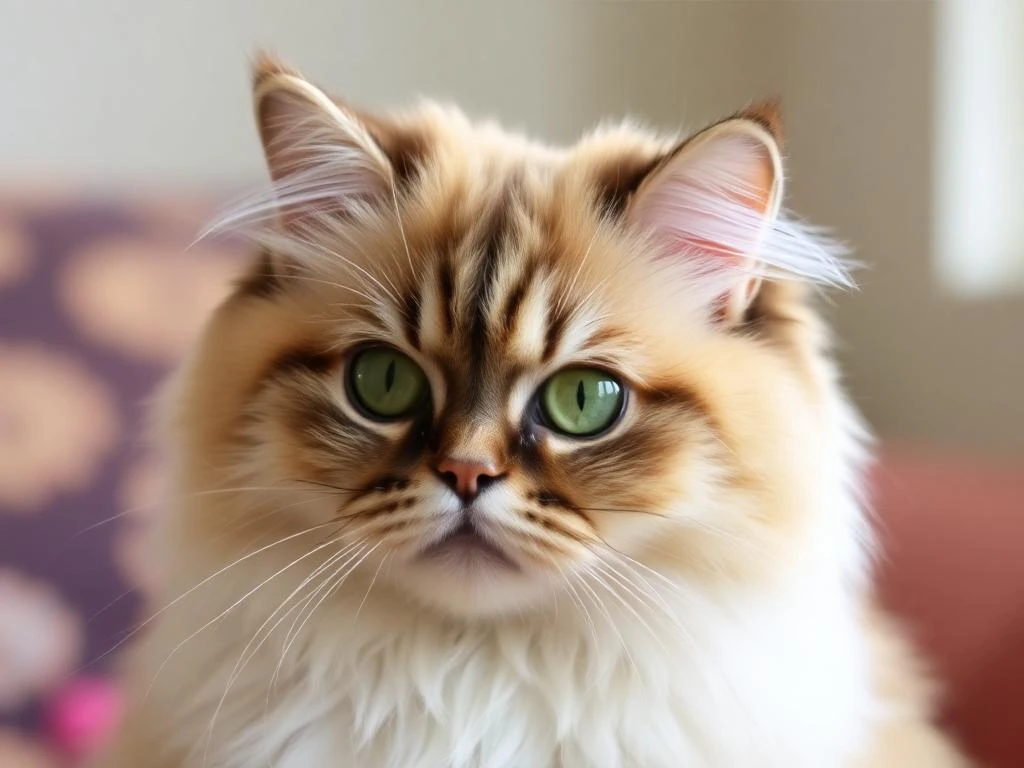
<point x="510" y="456"/>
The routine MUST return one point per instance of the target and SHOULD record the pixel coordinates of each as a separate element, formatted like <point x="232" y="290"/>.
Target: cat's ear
<point x="320" y="156"/>
<point x="712" y="201"/>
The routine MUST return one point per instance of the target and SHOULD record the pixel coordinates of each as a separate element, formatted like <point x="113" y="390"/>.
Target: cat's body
<point x="687" y="583"/>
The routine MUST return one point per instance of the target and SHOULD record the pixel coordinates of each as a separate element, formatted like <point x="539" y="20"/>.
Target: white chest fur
<point x="726" y="680"/>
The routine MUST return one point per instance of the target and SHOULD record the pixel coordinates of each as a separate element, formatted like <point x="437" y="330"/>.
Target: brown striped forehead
<point x="492" y="297"/>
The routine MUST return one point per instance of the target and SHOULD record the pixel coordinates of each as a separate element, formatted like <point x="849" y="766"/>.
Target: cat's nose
<point x="467" y="477"/>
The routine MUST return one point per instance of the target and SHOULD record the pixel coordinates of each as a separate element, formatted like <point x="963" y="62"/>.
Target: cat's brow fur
<point x="699" y="578"/>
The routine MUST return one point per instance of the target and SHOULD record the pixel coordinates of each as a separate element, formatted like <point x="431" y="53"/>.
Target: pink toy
<point x="81" y="715"/>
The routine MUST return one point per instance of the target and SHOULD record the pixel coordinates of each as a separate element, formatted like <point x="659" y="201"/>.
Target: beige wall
<point x="119" y="89"/>
<point x="122" y="89"/>
<point x="923" y="364"/>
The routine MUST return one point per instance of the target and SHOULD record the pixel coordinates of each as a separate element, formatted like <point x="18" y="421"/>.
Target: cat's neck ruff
<point x="672" y="676"/>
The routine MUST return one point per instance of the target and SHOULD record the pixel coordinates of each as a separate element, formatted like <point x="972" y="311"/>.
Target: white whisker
<point x="599" y="604"/>
<point x="247" y="655"/>
<point x="230" y="608"/>
<point x="208" y="579"/>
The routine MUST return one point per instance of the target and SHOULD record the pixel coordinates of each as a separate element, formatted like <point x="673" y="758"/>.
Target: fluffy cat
<point x="510" y="456"/>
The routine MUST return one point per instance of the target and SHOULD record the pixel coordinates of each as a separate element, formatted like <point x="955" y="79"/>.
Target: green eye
<point x="581" y="401"/>
<point x="386" y="383"/>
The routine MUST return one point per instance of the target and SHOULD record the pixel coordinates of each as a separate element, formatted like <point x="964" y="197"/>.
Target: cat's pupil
<point x="581" y="397"/>
<point x="389" y="376"/>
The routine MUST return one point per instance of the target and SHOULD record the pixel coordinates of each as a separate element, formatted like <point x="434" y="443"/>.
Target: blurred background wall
<point x="123" y="123"/>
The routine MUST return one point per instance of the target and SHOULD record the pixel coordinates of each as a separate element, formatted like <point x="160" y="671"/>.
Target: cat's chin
<point x="466" y="547"/>
<point x="468" y="580"/>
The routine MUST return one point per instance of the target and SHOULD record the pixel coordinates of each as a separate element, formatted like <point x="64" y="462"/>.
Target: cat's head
<point x="496" y="372"/>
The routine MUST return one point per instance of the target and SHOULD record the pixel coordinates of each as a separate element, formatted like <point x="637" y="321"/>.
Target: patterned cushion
<point x="98" y="298"/>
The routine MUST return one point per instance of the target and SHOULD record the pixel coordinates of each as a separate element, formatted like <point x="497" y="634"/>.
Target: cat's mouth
<point x="468" y="545"/>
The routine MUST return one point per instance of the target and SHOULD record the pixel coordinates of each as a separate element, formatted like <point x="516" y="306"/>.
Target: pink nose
<point x="467" y="478"/>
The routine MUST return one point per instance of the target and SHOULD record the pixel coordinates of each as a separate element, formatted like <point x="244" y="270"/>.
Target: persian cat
<point x="512" y="456"/>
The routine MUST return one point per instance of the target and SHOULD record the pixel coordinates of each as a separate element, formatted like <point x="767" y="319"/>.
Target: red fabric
<point x="953" y="537"/>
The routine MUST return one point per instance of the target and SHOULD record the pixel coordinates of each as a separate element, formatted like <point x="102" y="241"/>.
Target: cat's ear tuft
<point x="768" y="114"/>
<point x="321" y="158"/>
<point x="711" y="203"/>
<point x="265" y="64"/>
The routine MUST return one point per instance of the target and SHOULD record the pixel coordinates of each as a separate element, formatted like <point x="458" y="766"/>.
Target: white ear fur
<point x="322" y="160"/>
<point x="713" y="204"/>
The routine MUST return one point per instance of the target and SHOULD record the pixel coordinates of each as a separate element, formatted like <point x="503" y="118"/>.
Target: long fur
<point x="694" y="587"/>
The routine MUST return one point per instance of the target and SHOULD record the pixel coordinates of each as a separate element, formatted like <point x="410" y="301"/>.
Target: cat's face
<point x="492" y="373"/>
